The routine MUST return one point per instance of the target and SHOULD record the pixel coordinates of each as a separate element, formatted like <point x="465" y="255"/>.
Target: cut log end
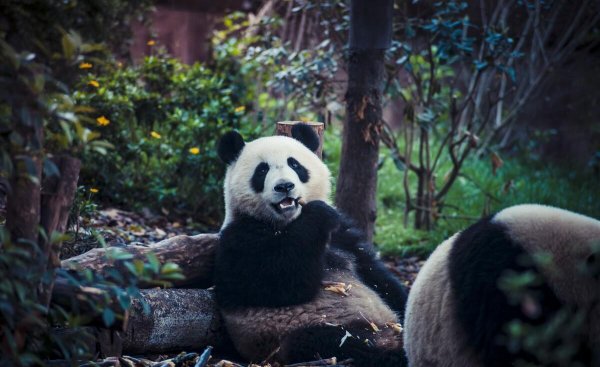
<point x="285" y="128"/>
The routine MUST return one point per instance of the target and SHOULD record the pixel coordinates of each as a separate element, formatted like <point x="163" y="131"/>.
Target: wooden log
<point x="285" y="128"/>
<point x="179" y="319"/>
<point x="194" y="255"/>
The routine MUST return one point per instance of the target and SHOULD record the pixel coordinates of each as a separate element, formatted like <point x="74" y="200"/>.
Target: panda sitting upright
<point x="294" y="280"/>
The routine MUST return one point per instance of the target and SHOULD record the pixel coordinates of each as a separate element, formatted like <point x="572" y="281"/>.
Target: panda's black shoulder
<point x="479" y="257"/>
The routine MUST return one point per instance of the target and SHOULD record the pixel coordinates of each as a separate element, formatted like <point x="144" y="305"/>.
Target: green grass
<point x="477" y="192"/>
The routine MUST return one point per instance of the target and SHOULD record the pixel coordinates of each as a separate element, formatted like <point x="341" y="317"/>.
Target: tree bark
<point x="370" y="35"/>
<point x="58" y="193"/>
<point x="357" y="181"/>
<point x="24" y="198"/>
<point x="195" y="256"/>
<point x="180" y="319"/>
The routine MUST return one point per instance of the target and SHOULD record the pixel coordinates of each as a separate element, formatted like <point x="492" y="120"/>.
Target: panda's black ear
<point x="306" y="135"/>
<point x="230" y="146"/>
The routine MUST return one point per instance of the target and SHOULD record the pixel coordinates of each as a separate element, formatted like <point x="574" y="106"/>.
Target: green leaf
<point x="58" y="237"/>
<point x="138" y="266"/>
<point x="108" y="316"/>
<point x="124" y="301"/>
<point x="68" y="46"/>
<point x="66" y="130"/>
<point x="153" y="262"/>
<point x="170" y="268"/>
<point x="50" y="168"/>
<point x="118" y="254"/>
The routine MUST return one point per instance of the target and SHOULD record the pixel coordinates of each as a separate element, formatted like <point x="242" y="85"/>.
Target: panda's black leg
<point x="371" y="270"/>
<point x="332" y="341"/>
<point x="375" y="275"/>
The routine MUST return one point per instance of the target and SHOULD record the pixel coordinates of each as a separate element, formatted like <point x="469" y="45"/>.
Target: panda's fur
<point x="456" y="313"/>
<point x="274" y="262"/>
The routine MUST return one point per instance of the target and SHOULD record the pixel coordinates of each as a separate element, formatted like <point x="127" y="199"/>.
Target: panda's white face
<point x="269" y="178"/>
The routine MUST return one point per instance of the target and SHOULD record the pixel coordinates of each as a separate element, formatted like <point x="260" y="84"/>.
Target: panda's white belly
<point x="256" y="332"/>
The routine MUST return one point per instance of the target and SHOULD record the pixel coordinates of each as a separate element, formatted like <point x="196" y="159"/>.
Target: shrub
<point x="164" y="119"/>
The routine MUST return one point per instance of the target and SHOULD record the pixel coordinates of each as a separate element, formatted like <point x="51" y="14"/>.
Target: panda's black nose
<point x="284" y="187"/>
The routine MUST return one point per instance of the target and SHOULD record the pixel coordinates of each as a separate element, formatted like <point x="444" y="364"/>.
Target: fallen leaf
<point x="137" y="230"/>
<point x="374" y="327"/>
<point x="344" y="338"/>
<point x="160" y="233"/>
<point x="497" y="162"/>
<point x="339" y="288"/>
<point x="395" y="326"/>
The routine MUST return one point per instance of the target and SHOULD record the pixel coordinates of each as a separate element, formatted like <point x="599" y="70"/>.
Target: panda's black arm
<point x="371" y="270"/>
<point x="257" y="265"/>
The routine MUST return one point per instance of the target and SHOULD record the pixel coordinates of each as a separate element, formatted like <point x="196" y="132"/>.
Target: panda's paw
<point x="323" y="214"/>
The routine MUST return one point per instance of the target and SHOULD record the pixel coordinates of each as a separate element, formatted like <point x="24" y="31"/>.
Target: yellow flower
<point x="94" y="190"/>
<point x="85" y="65"/>
<point x="94" y="83"/>
<point x="102" y="121"/>
<point x="304" y="119"/>
<point x="240" y="109"/>
<point x="155" y="135"/>
<point x="151" y="43"/>
<point x="194" y="150"/>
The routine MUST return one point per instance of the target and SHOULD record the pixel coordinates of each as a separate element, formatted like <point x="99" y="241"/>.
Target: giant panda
<point x="295" y="280"/>
<point x="457" y="314"/>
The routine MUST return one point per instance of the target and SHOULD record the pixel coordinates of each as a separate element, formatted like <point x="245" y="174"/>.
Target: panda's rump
<point x="256" y="332"/>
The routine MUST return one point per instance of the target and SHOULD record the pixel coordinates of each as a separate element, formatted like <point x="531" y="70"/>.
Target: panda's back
<point x="456" y="313"/>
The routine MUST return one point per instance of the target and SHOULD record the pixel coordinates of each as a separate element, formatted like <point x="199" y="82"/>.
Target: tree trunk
<point x="24" y="198"/>
<point x="357" y="181"/>
<point x="370" y="35"/>
<point x="58" y="193"/>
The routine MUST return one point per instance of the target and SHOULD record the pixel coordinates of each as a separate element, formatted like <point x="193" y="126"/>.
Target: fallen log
<point x="194" y="255"/>
<point x="180" y="319"/>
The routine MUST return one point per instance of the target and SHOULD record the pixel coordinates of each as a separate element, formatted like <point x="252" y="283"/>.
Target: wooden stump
<point x="285" y="128"/>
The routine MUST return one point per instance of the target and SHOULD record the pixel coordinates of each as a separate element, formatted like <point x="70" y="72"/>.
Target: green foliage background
<point x="165" y="119"/>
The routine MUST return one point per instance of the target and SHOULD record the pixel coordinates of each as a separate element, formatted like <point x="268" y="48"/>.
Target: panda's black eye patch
<point x="258" y="178"/>
<point x="299" y="169"/>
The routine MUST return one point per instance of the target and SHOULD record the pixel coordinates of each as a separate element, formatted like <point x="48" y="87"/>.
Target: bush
<point x="164" y="119"/>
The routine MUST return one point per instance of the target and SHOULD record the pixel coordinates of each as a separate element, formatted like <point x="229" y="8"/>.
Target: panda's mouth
<point x="286" y="204"/>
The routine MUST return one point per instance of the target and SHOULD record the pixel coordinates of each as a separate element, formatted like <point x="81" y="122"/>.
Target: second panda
<point x="294" y="280"/>
<point x="458" y="314"/>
